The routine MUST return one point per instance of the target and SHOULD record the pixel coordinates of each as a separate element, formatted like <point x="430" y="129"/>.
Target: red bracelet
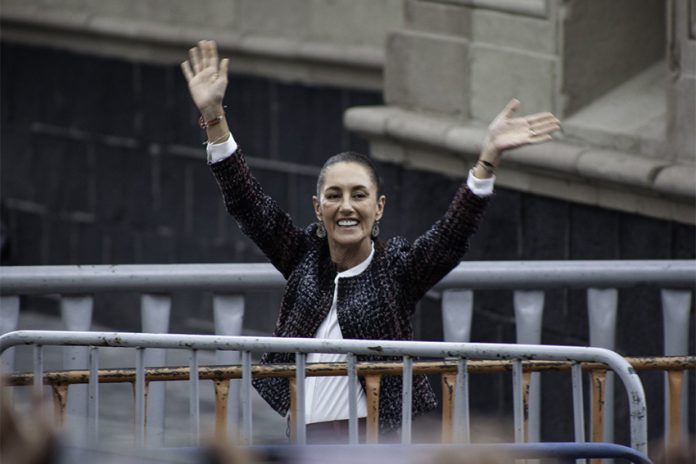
<point x="203" y="124"/>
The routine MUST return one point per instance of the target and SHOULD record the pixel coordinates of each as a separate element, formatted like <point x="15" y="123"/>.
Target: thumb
<point x="510" y="108"/>
<point x="224" y="64"/>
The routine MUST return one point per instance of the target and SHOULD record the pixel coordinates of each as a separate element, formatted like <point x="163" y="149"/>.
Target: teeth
<point x="347" y="222"/>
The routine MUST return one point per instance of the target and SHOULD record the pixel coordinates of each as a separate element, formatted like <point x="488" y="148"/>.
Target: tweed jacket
<point x="376" y="304"/>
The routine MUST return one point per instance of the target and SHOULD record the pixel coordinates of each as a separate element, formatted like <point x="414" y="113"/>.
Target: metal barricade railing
<point x="77" y="285"/>
<point x="463" y="352"/>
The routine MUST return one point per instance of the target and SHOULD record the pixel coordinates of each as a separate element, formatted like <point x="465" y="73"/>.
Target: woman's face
<point x="348" y="204"/>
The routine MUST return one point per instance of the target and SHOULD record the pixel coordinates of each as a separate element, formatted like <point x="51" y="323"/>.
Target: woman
<point x="341" y="281"/>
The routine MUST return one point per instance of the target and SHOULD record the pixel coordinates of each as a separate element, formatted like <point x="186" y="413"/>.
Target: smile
<point x="347" y="223"/>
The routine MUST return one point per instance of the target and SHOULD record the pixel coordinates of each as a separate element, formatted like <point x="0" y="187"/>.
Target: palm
<point x="206" y="76"/>
<point x="507" y="132"/>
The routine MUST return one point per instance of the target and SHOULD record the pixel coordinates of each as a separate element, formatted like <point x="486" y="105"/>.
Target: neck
<point x="346" y="257"/>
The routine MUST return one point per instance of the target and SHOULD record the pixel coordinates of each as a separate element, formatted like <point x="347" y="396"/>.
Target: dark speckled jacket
<point x="376" y="305"/>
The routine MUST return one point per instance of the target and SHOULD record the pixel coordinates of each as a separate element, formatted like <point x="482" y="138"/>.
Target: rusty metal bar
<point x="194" y="398"/>
<point x="675" y="380"/>
<point x="372" y="386"/>
<point x="448" y="384"/>
<point x="526" y="387"/>
<point x="300" y="399"/>
<point x="677" y="363"/>
<point x="517" y="405"/>
<point x="352" y="400"/>
<point x="222" y="392"/>
<point x="406" y="399"/>
<point x="60" y="401"/>
<point x="598" y="379"/>
<point x="461" y="430"/>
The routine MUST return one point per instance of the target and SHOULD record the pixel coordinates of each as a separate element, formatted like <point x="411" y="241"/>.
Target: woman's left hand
<point x="507" y="132"/>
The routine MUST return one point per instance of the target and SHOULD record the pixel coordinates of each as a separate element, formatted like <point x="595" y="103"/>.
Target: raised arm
<point x="257" y="214"/>
<point x="441" y="248"/>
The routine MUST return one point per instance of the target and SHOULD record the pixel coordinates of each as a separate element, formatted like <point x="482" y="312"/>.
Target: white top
<point x="326" y="398"/>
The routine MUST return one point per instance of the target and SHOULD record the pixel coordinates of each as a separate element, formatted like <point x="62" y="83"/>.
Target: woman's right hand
<point x="207" y="78"/>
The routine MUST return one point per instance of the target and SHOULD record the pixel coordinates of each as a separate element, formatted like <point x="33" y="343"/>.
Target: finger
<point x="224" y="65"/>
<point x="186" y="68"/>
<point x="208" y="55"/>
<point x="195" y="58"/>
<point x="544" y="128"/>
<point x="510" y="108"/>
<point x="214" y="60"/>
<point x="537" y="117"/>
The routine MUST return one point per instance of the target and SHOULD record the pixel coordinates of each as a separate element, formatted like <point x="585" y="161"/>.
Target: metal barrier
<point x="301" y="347"/>
<point x="77" y="284"/>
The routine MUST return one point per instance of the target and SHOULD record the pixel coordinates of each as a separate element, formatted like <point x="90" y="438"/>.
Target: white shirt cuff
<point x="220" y="151"/>
<point x="480" y="187"/>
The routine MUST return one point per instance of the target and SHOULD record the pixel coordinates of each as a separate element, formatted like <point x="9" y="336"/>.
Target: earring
<point x="375" y="229"/>
<point x="321" y="230"/>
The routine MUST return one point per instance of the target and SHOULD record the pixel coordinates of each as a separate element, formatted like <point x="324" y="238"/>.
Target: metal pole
<point x="9" y="315"/>
<point x="246" y="398"/>
<point x="352" y="400"/>
<point x="194" y="398"/>
<point x="140" y="397"/>
<point x="228" y="314"/>
<point x="676" y="312"/>
<point x="602" y="310"/>
<point x="457" y="310"/>
<point x="93" y="387"/>
<point x="517" y="406"/>
<point x="529" y="311"/>
<point x="300" y="361"/>
<point x="154" y="313"/>
<point x="462" y="432"/>
<point x="406" y="400"/>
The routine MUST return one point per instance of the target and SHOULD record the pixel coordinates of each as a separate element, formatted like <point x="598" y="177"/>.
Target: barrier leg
<point x="228" y="313"/>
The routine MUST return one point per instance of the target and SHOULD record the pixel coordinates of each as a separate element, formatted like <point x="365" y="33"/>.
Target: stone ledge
<point x="614" y="179"/>
<point x="168" y="44"/>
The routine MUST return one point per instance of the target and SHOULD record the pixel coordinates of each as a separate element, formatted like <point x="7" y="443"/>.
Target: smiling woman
<point x="341" y="281"/>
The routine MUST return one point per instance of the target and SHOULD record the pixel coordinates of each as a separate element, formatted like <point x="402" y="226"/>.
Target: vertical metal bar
<point x="194" y="397"/>
<point x="529" y="312"/>
<point x="246" y="398"/>
<point x="293" y="409"/>
<point x="372" y="384"/>
<point x="676" y="383"/>
<point x="76" y="312"/>
<point x="139" y="397"/>
<point x="518" y="411"/>
<point x="526" y="381"/>
<point x="448" y="386"/>
<point x="578" y="406"/>
<point x="457" y="309"/>
<point x="352" y="399"/>
<point x="222" y="391"/>
<point x="38" y="372"/>
<point x="301" y="431"/>
<point x="676" y="313"/>
<point x="406" y="400"/>
<point x="9" y="316"/>
<point x="60" y="401"/>
<point x="155" y="310"/>
<point x="93" y="387"/>
<point x="462" y="430"/>
<point x="228" y="314"/>
<point x="598" y="379"/>
<point x="602" y="310"/>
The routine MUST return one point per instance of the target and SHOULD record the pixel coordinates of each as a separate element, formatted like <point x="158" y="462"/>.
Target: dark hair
<point x="351" y="157"/>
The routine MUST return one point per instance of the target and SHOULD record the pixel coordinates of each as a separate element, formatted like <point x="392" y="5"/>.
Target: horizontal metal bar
<point x="221" y="372"/>
<point x="25" y="280"/>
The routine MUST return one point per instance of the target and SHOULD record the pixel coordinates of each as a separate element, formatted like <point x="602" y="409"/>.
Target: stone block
<point x="438" y="18"/>
<point x="278" y="18"/>
<point x="554" y="156"/>
<point x="498" y="75"/>
<point x="604" y="44"/>
<point x="535" y="35"/>
<point x="618" y="167"/>
<point x="387" y="151"/>
<point x="681" y="103"/>
<point x="354" y="22"/>
<point x="427" y="72"/>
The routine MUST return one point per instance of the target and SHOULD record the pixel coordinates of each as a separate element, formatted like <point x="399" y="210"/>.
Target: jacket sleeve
<point x="439" y="250"/>
<point x="258" y="215"/>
